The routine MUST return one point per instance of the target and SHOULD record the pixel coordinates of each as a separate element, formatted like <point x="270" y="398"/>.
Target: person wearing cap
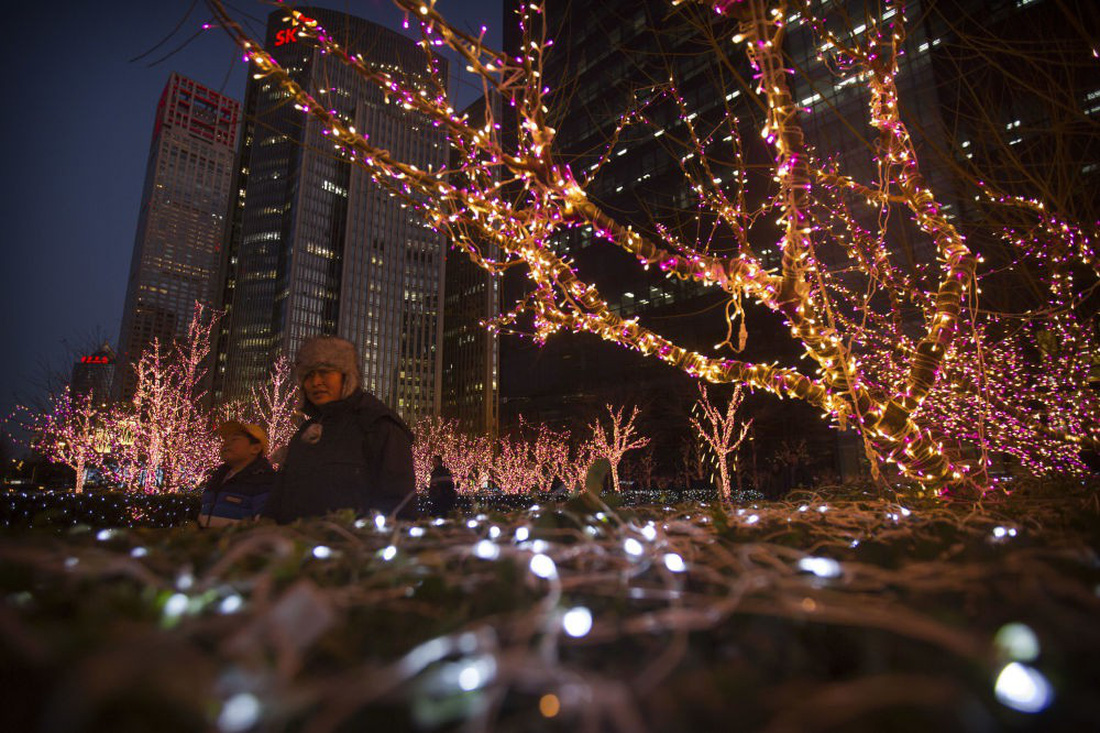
<point x="239" y="488"/>
<point x="352" y="452"/>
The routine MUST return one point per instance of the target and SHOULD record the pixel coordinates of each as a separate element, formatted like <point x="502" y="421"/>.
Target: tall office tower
<point x="471" y="354"/>
<point x="316" y="247"/>
<point x="179" y="239"/>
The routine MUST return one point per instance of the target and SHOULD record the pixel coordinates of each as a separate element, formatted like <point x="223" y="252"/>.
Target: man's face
<point x="238" y="450"/>
<point x="323" y="385"/>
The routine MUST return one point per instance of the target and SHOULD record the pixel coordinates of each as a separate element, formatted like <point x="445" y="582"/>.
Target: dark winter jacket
<point x="353" y="453"/>
<point x="241" y="496"/>
<point x="441" y="492"/>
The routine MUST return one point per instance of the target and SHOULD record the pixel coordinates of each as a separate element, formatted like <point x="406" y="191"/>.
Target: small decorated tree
<point x="722" y="432"/>
<point x="615" y="442"/>
<point x="69" y="432"/>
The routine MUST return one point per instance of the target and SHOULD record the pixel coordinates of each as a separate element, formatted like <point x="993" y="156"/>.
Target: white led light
<point x="649" y="532"/>
<point x="176" y="605"/>
<point x="416" y="531"/>
<point x="230" y="604"/>
<point x="494" y="532"/>
<point x="675" y="563"/>
<point x="999" y="532"/>
<point x="822" y="567"/>
<point x="240" y="712"/>
<point x="486" y="550"/>
<point x="389" y="553"/>
<point x="633" y="547"/>
<point x="522" y="534"/>
<point x="138" y="552"/>
<point x="472" y="524"/>
<point x="104" y="534"/>
<point x="753" y="519"/>
<point x="543" y="566"/>
<point x="577" y="622"/>
<point x="469" y="678"/>
<point x="321" y="552"/>
<point x="1023" y="688"/>
<point x="379" y="522"/>
<point x="1017" y="642"/>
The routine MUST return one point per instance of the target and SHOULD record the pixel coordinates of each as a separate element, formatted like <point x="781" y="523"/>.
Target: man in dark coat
<point x="353" y="452"/>
<point x="239" y="488"/>
<point x="441" y="489"/>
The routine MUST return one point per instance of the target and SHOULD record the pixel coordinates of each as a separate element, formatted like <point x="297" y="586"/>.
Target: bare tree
<point x="723" y="432"/>
<point x="620" y="437"/>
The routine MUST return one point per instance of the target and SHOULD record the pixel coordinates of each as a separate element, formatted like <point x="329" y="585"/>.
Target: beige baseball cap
<point x="234" y="427"/>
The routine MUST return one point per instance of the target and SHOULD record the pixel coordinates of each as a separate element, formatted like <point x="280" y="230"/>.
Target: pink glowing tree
<point x="70" y="431"/>
<point x="164" y="439"/>
<point x="722" y="432"/>
<point x="275" y="405"/>
<point x="616" y="440"/>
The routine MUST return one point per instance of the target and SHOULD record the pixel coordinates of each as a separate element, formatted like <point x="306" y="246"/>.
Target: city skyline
<point x="74" y="181"/>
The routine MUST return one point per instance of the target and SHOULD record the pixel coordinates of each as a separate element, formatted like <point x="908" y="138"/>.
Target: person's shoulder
<point x="373" y="413"/>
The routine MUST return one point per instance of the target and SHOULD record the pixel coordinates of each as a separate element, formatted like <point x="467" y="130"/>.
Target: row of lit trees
<point x="164" y="439"/>
<point x="538" y="458"/>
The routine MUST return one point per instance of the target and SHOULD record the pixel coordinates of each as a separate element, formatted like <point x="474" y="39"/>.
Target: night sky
<point x="77" y="126"/>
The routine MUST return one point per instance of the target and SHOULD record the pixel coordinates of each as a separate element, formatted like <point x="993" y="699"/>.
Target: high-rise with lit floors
<point x="180" y="230"/>
<point x="317" y="247"/>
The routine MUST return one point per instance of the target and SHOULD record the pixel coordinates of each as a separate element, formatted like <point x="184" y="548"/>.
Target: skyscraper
<point x="179" y="239"/>
<point x="316" y="247"/>
<point x="471" y="353"/>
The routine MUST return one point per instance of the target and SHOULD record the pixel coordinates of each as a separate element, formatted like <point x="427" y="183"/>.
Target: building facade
<point x="93" y="374"/>
<point x="316" y="247"/>
<point x="471" y="353"/>
<point x="179" y="242"/>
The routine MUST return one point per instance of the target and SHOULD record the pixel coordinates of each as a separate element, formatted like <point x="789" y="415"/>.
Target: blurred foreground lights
<point x="522" y="534"/>
<point x="675" y="563"/>
<point x="633" y="547"/>
<point x="240" y="712"/>
<point x="416" y="531"/>
<point x="475" y="673"/>
<point x="649" y="532"/>
<point x="175" y="606"/>
<point x="549" y="706"/>
<point x="1023" y="688"/>
<point x="379" y="522"/>
<point x="1017" y="642"/>
<point x="752" y="519"/>
<point x="138" y="552"/>
<point x="494" y="532"/>
<point x="104" y="534"/>
<point x="577" y="622"/>
<point x="230" y="604"/>
<point x="822" y="567"/>
<point x="543" y="566"/>
<point x="472" y="524"/>
<point x="486" y="550"/>
<point x="322" y="552"/>
<point x="389" y="553"/>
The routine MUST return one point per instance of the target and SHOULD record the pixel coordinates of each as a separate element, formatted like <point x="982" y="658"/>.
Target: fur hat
<point x="329" y="352"/>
